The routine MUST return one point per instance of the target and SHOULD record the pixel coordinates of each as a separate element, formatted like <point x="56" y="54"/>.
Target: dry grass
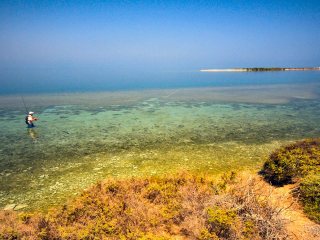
<point x="179" y="207"/>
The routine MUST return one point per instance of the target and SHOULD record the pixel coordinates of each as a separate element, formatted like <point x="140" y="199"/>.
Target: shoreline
<point x="263" y="69"/>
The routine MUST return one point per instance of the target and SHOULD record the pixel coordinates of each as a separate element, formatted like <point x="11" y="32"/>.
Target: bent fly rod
<point x="24" y="104"/>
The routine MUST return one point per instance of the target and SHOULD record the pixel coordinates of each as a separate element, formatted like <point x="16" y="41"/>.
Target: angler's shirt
<point x="30" y="118"/>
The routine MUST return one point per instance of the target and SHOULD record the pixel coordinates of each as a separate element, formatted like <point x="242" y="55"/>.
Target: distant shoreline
<point x="260" y="69"/>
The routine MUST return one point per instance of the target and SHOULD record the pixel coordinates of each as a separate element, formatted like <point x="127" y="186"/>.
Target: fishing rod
<point x="24" y="104"/>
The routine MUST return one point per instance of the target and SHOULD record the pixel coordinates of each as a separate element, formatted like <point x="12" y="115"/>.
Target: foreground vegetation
<point x="180" y="207"/>
<point x="299" y="162"/>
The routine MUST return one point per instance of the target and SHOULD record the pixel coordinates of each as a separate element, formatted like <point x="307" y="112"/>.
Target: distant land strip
<point x="261" y="69"/>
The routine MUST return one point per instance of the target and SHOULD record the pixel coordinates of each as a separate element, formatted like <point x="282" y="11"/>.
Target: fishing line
<point x="24" y="104"/>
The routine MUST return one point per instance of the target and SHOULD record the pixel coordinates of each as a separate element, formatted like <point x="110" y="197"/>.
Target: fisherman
<point x="30" y="119"/>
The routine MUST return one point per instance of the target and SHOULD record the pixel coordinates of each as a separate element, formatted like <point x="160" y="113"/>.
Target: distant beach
<point x="260" y="69"/>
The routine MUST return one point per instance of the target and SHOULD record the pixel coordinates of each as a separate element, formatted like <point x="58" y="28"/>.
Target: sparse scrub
<point x="253" y="198"/>
<point x="222" y="222"/>
<point x="299" y="162"/>
<point x="184" y="206"/>
<point x="309" y="190"/>
<point x="292" y="162"/>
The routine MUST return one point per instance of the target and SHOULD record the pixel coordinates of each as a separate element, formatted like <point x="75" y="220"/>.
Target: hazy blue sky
<point x="74" y="44"/>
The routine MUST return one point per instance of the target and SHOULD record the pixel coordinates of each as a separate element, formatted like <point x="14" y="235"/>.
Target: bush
<point x="309" y="190"/>
<point x="299" y="161"/>
<point x="222" y="222"/>
<point x="179" y="207"/>
<point x="292" y="162"/>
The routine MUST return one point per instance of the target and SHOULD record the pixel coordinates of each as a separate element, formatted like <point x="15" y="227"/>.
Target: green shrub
<point x="221" y="221"/>
<point x="206" y="235"/>
<point x="309" y="190"/>
<point x="249" y="229"/>
<point x="298" y="161"/>
<point x="291" y="162"/>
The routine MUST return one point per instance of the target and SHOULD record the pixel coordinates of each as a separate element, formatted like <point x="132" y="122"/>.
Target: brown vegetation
<point x="180" y="207"/>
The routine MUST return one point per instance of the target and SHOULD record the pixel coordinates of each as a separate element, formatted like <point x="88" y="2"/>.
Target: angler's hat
<point x="30" y="113"/>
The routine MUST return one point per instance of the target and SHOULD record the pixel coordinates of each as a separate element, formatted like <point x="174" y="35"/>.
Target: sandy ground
<point x="298" y="226"/>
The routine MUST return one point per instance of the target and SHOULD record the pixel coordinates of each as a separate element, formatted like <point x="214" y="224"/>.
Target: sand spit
<point x="259" y="69"/>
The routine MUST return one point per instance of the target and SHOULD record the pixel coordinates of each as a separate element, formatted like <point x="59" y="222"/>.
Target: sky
<point x="59" y="45"/>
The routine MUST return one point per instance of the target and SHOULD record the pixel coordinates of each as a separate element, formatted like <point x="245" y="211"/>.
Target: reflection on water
<point x="84" y="137"/>
<point x="33" y="134"/>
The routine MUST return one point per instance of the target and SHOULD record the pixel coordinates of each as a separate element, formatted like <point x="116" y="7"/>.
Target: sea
<point x="208" y="123"/>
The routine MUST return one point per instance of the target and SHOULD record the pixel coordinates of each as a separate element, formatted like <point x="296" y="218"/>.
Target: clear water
<point x="82" y="138"/>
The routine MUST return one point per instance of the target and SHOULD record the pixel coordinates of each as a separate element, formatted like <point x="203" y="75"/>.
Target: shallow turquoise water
<point x="84" y="137"/>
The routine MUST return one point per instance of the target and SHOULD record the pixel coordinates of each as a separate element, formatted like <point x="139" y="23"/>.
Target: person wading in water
<point x="30" y="119"/>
